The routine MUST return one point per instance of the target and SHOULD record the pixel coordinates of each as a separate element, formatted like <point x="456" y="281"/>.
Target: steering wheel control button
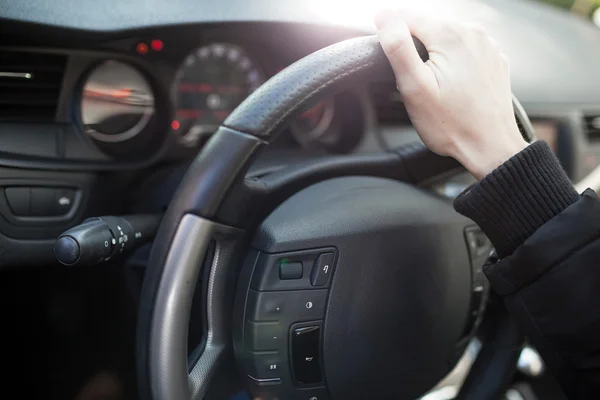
<point x="480" y="250"/>
<point x="306" y="350"/>
<point x="289" y="270"/>
<point x="18" y="199"/>
<point x="322" y="270"/>
<point x="289" y="306"/>
<point x="266" y="306"/>
<point x="306" y="305"/>
<point x="266" y="365"/>
<point x="479" y="245"/>
<point x="479" y="278"/>
<point x="281" y="271"/>
<point x="264" y="336"/>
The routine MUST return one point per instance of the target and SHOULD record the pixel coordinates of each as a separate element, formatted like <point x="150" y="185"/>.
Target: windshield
<point x="361" y="12"/>
<point x="587" y="8"/>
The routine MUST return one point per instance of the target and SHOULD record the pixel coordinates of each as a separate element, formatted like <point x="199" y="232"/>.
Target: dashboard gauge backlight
<point x="211" y="82"/>
<point x="117" y="102"/>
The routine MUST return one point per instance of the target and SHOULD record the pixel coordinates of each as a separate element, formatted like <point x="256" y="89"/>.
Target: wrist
<point x="482" y="159"/>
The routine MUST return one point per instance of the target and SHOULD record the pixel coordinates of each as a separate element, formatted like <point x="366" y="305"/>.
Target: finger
<point x="398" y="45"/>
<point x="424" y="27"/>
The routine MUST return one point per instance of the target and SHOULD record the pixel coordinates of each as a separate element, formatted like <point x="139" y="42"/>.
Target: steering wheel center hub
<point x="386" y="324"/>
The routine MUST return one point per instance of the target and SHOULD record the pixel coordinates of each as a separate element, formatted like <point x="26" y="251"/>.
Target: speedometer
<point x="212" y="81"/>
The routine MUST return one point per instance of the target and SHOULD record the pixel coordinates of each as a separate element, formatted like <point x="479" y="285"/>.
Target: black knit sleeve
<point x="517" y="198"/>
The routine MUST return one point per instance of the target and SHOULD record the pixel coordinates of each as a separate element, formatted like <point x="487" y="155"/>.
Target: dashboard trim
<point x="78" y="67"/>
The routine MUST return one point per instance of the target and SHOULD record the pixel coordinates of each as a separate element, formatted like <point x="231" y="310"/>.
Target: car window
<point x="586" y="8"/>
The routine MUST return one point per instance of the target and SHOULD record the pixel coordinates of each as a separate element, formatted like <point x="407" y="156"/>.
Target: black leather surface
<point x="331" y="69"/>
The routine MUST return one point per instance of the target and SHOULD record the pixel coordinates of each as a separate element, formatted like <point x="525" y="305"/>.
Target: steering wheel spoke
<point x="184" y="263"/>
<point x="260" y="193"/>
<point x="218" y="306"/>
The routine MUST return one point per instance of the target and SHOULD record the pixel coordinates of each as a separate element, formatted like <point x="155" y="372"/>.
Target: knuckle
<point x="395" y="46"/>
<point x="454" y="33"/>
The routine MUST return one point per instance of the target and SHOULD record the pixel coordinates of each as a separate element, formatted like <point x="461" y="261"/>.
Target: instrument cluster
<point x="121" y="105"/>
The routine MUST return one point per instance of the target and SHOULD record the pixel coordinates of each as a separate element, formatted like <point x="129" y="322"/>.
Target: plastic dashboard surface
<point x="164" y="58"/>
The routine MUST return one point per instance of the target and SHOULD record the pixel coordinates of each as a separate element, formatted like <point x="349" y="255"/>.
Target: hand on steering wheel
<point x="459" y="100"/>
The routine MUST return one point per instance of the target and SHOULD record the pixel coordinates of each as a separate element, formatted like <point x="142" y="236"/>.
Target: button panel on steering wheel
<point x="276" y="271"/>
<point x="280" y="348"/>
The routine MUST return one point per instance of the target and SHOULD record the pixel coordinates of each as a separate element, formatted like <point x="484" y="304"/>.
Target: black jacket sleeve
<point x="548" y="238"/>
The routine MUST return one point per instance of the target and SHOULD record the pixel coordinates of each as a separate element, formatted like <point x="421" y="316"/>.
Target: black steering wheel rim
<point x="191" y="223"/>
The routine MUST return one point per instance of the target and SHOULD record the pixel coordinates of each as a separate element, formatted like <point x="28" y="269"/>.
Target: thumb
<point x="399" y="47"/>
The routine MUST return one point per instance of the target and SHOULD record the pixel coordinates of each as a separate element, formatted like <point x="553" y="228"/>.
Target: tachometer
<point x="314" y="124"/>
<point x="212" y="81"/>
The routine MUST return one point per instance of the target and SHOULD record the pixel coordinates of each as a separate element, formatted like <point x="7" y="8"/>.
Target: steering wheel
<point x="350" y="281"/>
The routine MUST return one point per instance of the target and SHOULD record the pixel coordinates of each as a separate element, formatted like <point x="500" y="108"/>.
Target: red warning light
<point x="142" y="48"/>
<point x="156" y="44"/>
<point x="175" y="125"/>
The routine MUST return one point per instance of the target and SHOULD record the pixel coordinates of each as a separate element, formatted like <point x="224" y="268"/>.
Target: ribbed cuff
<point x="518" y="197"/>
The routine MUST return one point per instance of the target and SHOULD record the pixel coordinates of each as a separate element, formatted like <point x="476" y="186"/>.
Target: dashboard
<point x="158" y="96"/>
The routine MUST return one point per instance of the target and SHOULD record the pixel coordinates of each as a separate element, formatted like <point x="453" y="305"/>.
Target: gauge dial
<point x="117" y="102"/>
<point x="315" y="123"/>
<point x="210" y="84"/>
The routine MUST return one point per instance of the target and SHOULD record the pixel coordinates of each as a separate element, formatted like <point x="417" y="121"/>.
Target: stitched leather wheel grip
<point x="179" y="255"/>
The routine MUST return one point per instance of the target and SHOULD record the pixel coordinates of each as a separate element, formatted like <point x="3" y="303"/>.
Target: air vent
<point x="388" y="104"/>
<point x="592" y="127"/>
<point x="29" y="86"/>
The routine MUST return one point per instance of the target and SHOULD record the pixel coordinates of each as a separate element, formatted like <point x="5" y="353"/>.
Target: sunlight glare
<point x="596" y="17"/>
<point x="361" y="12"/>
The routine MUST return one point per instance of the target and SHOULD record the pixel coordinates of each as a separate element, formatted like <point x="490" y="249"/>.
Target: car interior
<point x="227" y="200"/>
